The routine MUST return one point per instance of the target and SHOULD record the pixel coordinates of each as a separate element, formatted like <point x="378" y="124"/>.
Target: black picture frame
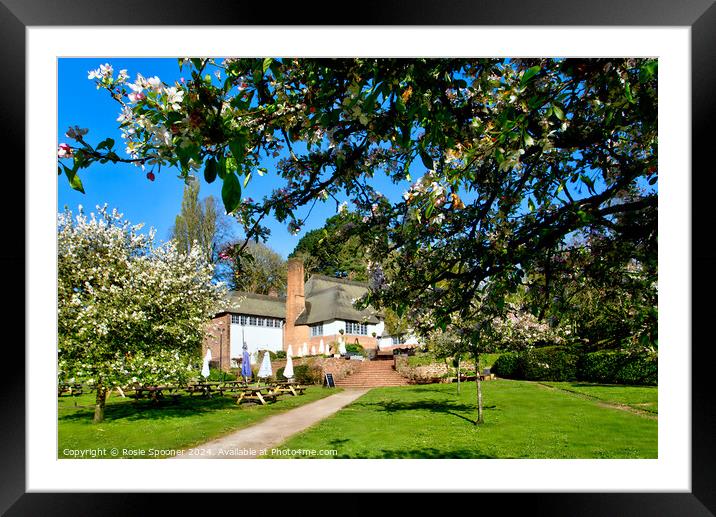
<point x="700" y="15"/>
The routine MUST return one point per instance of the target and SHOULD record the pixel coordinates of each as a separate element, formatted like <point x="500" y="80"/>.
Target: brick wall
<point x="295" y="304"/>
<point x="216" y="337"/>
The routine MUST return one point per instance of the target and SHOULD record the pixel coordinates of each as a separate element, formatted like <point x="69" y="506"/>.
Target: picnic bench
<point x="289" y="387"/>
<point x="231" y="386"/>
<point x="258" y="394"/>
<point x="72" y="389"/>
<point x="206" y="389"/>
<point x="154" y="393"/>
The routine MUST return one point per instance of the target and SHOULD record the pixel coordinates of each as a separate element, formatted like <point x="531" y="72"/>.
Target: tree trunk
<point x="99" y="404"/>
<point x="480" y="418"/>
<point x="458" y="375"/>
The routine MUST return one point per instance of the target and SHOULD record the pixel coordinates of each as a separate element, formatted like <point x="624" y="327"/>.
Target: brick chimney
<point x="295" y="304"/>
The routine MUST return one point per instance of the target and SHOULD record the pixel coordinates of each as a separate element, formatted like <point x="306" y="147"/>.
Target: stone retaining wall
<point x="340" y="368"/>
<point x="429" y="373"/>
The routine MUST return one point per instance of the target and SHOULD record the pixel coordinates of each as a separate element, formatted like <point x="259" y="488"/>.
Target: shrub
<point x="423" y="360"/>
<point x="305" y="374"/>
<point x="551" y="363"/>
<point x="355" y="349"/>
<point x="273" y="355"/>
<point x="508" y="366"/>
<point x="219" y="375"/>
<point x="617" y="367"/>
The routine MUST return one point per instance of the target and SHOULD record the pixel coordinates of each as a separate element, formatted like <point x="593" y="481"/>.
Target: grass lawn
<point x="136" y="425"/>
<point x="637" y="397"/>
<point x="522" y="420"/>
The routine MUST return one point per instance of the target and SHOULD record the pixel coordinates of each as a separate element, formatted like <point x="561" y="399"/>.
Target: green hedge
<point x="556" y="363"/>
<point x="550" y="363"/>
<point x="617" y="367"/>
<point x="508" y="366"/>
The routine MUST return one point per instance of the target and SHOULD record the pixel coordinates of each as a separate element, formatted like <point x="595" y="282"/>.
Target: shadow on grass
<point x="427" y="453"/>
<point x="594" y="385"/>
<point x="148" y="410"/>
<point x="433" y="406"/>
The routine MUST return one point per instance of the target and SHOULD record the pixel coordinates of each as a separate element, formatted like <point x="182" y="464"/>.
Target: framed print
<point x="662" y="466"/>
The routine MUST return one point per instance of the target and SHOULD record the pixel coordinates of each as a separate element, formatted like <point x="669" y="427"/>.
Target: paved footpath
<point x="246" y="443"/>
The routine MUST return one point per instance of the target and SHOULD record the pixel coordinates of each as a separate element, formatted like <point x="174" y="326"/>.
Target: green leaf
<point x="531" y="204"/>
<point x="247" y="179"/>
<point x="558" y="112"/>
<point x="429" y="210"/>
<point x="529" y="74"/>
<point x="267" y="63"/>
<point x="107" y="143"/>
<point x="648" y="70"/>
<point x="238" y="148"/>
<point x="405" y="136"/>
<point x="73" y="179"/>
<point x="231" y="193"/>
<point x="427" y="159"/>
<point x="210" y="170"/>
<point x="400" y="104"/>
<point x="590" y="184"/>
<point x="627" y="92"/>
<point x="221" y="167"/>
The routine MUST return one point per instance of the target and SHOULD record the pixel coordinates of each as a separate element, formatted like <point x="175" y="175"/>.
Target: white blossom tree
<point x="128" y="311"/>
<point x="510" y="328"/>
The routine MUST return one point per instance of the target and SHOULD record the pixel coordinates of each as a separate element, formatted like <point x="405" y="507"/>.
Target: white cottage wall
<point x="257" y="338"/>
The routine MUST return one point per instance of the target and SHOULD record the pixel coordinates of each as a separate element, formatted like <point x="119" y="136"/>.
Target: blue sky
<point x="125" y="187"/>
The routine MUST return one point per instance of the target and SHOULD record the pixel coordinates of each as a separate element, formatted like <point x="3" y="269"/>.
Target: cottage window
<point x="317" y="330"/>
<point x="360" y="329"/>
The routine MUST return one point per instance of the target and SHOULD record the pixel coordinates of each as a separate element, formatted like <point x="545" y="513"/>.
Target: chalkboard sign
<point x="329" y="380"/>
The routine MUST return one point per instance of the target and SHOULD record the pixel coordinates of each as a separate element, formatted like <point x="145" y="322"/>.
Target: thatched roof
<point x="327" y="299"/>
<point x="240" y="302"/>
<point x="332" y="299"/>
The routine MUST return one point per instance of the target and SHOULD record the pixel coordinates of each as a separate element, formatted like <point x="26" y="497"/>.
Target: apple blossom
<point x="127" y="308"/>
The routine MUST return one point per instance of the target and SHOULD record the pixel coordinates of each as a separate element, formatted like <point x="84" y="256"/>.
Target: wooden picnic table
<point x="258" y="394"/>
<point x="289" y="387"/>
<point x="206" y="389"/>
<point x="73" y="389"/>
<point x="155" y="393"/>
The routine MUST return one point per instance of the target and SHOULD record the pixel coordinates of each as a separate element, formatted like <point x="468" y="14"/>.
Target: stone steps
<point x="372" y="374"/>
